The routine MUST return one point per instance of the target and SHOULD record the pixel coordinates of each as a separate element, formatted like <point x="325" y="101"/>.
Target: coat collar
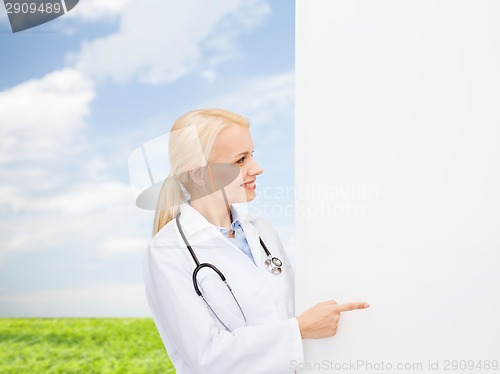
<point x="193" y="221"/>
<point x="201" y="232"/>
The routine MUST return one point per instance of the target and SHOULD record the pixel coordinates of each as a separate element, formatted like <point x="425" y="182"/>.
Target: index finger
<point x="351" y="306"/>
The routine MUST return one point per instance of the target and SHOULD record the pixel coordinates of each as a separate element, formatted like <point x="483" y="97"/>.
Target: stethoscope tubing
<point x="270" y="260"/>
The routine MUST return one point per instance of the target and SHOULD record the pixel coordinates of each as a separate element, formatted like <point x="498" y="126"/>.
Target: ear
<point x="196" y="175"/>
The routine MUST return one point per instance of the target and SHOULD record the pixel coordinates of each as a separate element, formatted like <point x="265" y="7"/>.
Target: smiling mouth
<point x="250" y="185"/>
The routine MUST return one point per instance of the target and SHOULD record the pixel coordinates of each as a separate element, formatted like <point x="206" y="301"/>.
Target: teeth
<point x="249" y="184"/>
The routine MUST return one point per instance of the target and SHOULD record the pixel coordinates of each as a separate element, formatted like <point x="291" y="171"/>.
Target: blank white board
<point x="398" y="182"/>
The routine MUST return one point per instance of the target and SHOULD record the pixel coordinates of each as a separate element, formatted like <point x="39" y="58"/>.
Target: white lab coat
<point x="195" y="340"/>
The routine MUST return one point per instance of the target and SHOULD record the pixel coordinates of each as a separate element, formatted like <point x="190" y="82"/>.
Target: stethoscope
<point x="273" y="264"/>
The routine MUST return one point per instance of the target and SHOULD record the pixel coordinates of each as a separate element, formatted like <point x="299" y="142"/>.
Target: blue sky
<point x="80" y="93"/>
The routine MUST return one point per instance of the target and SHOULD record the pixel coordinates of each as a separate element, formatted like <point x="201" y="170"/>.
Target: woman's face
<point x="234" y="147"/>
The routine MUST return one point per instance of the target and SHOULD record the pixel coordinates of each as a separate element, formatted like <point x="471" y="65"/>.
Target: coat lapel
<point x="202" y="234"/>
<point x="240" y="212"/>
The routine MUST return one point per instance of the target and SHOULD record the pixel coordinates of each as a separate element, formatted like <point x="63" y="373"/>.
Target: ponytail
<point x="169" y="200"/>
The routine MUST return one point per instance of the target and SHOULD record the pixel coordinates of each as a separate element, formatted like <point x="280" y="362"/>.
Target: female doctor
<point x="218" y="281"/>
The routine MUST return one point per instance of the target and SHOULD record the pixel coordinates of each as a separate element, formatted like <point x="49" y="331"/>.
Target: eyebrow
<point x="243" y="153"/>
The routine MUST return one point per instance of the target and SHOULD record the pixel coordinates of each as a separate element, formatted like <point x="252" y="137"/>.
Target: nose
<point x="255" y="169"/>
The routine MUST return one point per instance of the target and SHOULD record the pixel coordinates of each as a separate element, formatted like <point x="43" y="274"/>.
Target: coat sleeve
<point x="185" y="323"/>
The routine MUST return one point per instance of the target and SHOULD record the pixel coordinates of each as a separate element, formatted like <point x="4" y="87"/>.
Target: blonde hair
<point x="184" y="152"/>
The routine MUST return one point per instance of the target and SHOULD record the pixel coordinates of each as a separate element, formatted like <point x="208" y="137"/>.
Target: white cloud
<point x="121" y="244"/>
<point x="10" y="197"/>
<point x="3" y="16"/>
<point x="97" y="218"/>
<point x="87" y="198"/>
<point x="44" y="157"/>
<point x="37" y="116"/>
<point x="97" y="10"/>
<point x="261" y="100"/>
<point x="209" y="74"/>
<point x="176" y="38"/>
<point x="106" y="300"/>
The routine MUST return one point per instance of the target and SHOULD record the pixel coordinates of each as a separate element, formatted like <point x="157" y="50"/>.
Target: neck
<point x="216" y="212"/>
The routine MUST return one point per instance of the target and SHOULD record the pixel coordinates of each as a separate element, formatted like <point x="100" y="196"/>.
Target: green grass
<point x="81" y="345"/>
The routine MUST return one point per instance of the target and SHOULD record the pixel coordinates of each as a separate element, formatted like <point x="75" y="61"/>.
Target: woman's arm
<point x="183" y="319"/>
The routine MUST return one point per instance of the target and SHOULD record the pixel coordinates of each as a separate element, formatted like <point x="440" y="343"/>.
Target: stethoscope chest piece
<point x="274" y="264"/>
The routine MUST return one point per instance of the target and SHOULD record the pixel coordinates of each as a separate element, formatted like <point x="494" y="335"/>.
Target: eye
<point x="241" y="161"/>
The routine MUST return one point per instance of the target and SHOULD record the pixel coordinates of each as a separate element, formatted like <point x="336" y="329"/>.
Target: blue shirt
<point x="239" y="240"/>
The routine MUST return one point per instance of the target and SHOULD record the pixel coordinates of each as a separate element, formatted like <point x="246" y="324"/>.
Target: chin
<point x="238" y="194"/>
<point x="250" y="196"/>
<point x="243" y="199"/>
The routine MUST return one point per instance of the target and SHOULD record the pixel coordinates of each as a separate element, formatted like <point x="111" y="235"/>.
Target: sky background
<point x="80" y="93"/>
